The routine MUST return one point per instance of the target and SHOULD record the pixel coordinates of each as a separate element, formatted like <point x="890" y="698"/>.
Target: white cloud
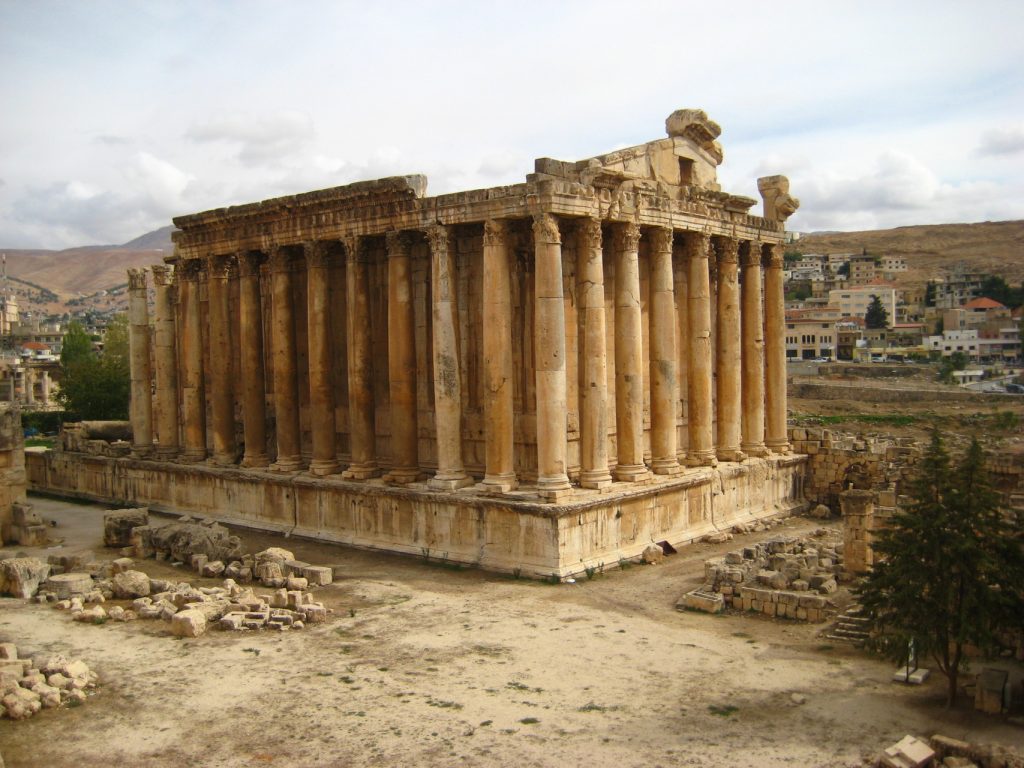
<point x="260" y="138"/>
<point x="1008" y="140"/>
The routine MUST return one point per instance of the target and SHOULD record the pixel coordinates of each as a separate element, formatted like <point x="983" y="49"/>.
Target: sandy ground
<point x="424" y="665"/>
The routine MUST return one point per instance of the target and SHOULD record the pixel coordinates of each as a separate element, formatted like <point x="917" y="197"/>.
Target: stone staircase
<point x="851" y="627"/>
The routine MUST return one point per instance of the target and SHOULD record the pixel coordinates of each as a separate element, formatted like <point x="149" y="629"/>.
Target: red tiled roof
<point x="36" y="345"/>
<point x="983" y="303"/>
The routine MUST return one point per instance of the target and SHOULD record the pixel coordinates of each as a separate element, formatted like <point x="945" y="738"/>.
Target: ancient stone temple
<point x="539" y="377"/>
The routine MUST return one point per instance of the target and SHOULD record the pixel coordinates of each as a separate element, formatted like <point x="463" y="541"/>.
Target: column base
<point x="782" y="446"/>
<point x="323" y="467"/>
<point x="193" y="456"/>
<point x="554" y="489"/>
<point x="166" y="454"/>
<point x="449" y="481"/>
<point x="595" y="479"/>
<point x="731" y="454"/>
<point x="222" y="460"/>
<point x="255" y="462"/>
<point x="402" y="476"/>
<point x="142" y="451"/>
<point x="498" y="483"/>
<point x="666" y="467"/>
<point x="287" y="464"/>
<point x="757" y="450"/>
<point x="361" y="471"/>
<point x="702" y="459"/>
<point x="631" y="473"/>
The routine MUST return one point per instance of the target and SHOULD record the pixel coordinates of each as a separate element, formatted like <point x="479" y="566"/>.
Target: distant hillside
<point x="993" y="247"/>
<point x="85" y="270"/>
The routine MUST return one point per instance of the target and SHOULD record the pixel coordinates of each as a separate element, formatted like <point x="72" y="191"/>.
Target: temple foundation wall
<point x="529" y="537"/>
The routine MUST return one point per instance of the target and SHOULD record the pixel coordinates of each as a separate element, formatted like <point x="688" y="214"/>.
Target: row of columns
<point x="745" y="361"/>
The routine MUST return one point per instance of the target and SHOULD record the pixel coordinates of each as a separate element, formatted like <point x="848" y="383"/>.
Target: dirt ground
<point x="421" y="664"/>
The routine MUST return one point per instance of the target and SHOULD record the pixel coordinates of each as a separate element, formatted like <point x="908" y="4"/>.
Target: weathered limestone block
<point x="270" y="571"/>
<point x="274" y="555"/>
<point x="94" y="615"/>
<point x="185" y="538"/>
<point x="317" y="575"/>
<point x="130" y="584"/>
<point x="698" y="600"/>
<point x="118" y="525"/>
<point x="908" y="752"/>
<point x="65" y="585"/>
<point x="21" y="576"/>
<point x="22" y="703"/>
<point x="188" y="623"/>
<point x="653" y="554"/>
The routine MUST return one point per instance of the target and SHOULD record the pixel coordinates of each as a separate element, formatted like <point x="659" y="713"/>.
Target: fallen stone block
<point x="21" y="576"/>
<point x="908" y="752"/>
<point x="314" y="613"/>
<point x="188" y="623"/>
<point x="22" y="704"/>
<point x="8" y="651"/>
<point x="213" y="569"/>
<point x="118" y="525"/>
<point x="94" y="615"/>
<point x="698" y="600"/>
<point x="296" y="583"/>
<point x="128" y="585"/>
<point x="65" y="585"/>
<point x="652" y="554"/>
<point x="121" y="564"/>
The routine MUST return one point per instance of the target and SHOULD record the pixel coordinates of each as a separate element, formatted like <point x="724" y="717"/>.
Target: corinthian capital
<point x="545" y="229"/>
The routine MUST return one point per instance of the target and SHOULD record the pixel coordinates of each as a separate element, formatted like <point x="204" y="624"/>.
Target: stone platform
<point x="512" y="533"/>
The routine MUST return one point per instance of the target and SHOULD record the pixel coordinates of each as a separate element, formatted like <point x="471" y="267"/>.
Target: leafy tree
<point x="96" y="385"/>
<point x="876" y="316"/>
<point x="929" y="294"/>
<point x="996" y="288"/>
<point x="790" y="257"/>
<point x="844" y="269"/>
<point x="947" y="570"/>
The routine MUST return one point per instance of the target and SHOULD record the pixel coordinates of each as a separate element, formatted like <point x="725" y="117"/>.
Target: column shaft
<point x="141" y="411"/>
<point x="777" y="436"/>
<point x="222" y="402"/>
<point x="193" y="391"/>
<point x="447" y="386"/>
<point x="549" y="325"/>
<point x="362" y="427"/>
<point x="728" y="351"/>
<point x="401" y="361"/>
<point x="629" y="374"/>
<point x="594" y="384"/>
<point x="683" y="345"/>
<point x="321" y="383"/>
<point x="701" y="450"/>
<point x="664" y="460"/>
<point x="166" y="359"/>
<point x="753" y="352"/>
<point x="254" y="387"/>
<point x="497" y="349"/>
<point x="286" y="389"/>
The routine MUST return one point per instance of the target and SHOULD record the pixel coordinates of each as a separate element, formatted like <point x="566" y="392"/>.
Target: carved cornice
<point x="137" y="279"/>
<point x="751" y="254"/>
<point x="588" y="233"/>
<point x="545" y="229"/>
<point x="398" y="244"/>
<point x="495" y="232"/>
<point x="163" y="275"/>
<point x="627" y="237"/>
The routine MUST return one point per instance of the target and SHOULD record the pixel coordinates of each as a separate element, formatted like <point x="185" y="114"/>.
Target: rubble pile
<point x="785" y="577"/>
<point x="24" y="689"/>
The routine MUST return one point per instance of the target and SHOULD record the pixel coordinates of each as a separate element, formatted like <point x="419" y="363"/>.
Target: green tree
<point x="947" y="570"/>
<point x="96" y="385"/>
<point x="844" y="269"/>
<point x="876" y="316"/>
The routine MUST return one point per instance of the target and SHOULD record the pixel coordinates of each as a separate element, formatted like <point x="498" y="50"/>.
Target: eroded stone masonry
<point x="535" y="377"/>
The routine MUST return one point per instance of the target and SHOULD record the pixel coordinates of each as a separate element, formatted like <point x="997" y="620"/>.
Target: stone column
<point x="45" y="393"/>
<point x="166" y="359"/>
<point x="594" y="385"/>
<point x="447" y="386"/>
<point x="728" y="351"/>
<point x="629" y="374"/>
<point x="499" y="472"/>
<point x="30" y="399"/>
<point x="683" y="343"/>
<point x="401" y="362"/>
<point x="698" y="301"/>
<point x="222" y="401"/>
<point x="362" y="429"/>
<point x="282" y="342"/>
<point x="777" y="435"/>
<point x="753" y="352"/>
<point x="321" y="384"/>
<point x="193" y="389"/>
<point x="549" y="337"/>
<point x="141" y="404"/>
<point x="664" y="460"/>
<point x="858" y="508"/>
<point x="250" y="333"/>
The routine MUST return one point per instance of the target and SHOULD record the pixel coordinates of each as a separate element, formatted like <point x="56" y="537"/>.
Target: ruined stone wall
<point x="837" y="391"/>
<point x="838" y="461"/>
<point x="12" y="469"/>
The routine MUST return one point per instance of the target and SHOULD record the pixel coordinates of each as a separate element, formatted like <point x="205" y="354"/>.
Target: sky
<point x="116" y="116"/>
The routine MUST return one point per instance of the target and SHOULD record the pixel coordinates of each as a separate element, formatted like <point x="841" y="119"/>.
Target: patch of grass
<point x="722" y="710"/>
<point x="517" y="573"/>
<point x="253" y="651"/>
<point x="443" y="704"/>
<point x="529" y="721"/>
<point x="889" y="419"/>
<point x="825" y="647"/>
<point x="741" y="634"/>
<point x="552" y="579"/>
<point x="485" y="723"/>
<point x="624" y="564"/>
<point x="99" y="621"/>
<point x="592" y="707"/>
<point x="324" y="674"/>
<point x="346" y="679"/>
<point x="517" y="686"/>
